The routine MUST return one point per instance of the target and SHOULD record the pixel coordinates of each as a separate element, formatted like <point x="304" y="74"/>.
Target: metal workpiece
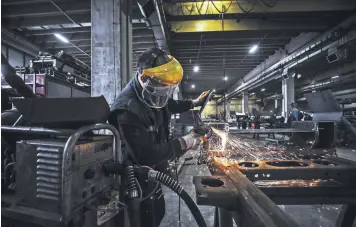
<point x="251" y="189"/>
<point x="256" y="208"/>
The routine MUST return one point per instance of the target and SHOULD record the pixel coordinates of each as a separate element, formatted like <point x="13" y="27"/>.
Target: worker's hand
<point x="200" y="100"/>
<point x="190" y="141"/>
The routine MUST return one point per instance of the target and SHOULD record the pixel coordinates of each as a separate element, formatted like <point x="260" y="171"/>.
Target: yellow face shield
<point x="168" y="74"/>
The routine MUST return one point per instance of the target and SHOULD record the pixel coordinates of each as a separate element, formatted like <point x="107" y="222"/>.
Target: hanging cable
<point x="243" y="10"/>
<point x="201" y="6"/>
<point x="269" y="5"/>
<point x="224" y="11"/>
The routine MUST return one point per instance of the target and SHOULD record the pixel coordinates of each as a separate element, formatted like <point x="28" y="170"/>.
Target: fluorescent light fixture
<point x="193" y="85"/>
<point x="196" y="69"/>
<point x="225" y="78"/>
<point x="253" y="93"/>
<point x="334" y="77"/>
<point x="61" y="38"/>
<point x="253" y="49"/>
<point x="263" y="89"/>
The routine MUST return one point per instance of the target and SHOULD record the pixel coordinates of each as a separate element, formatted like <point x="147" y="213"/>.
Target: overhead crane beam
<point x="213" y="9"/>
<point x="247" y="25"/>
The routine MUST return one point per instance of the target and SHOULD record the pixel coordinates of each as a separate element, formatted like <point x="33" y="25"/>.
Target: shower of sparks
<point x="237" y="148"/>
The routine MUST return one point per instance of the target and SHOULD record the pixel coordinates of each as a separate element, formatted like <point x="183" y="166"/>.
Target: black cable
<point x="268" y="5"/>
<point x="219" y="10"/>
<point x="174" y="186"/>
<point x="179" y="220"/>
<point x="243" y="10"/>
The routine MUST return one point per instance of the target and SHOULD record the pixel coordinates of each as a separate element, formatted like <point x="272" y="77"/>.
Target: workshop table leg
<point x="346" y="217"/>
<point x="225" y="218"/>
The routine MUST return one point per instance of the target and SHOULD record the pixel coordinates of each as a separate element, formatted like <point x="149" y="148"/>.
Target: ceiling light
<point x="225" y="78"/>
<point x="334" y="77"/>
<point x="214" y="90"/>
<point x="196" y="69"/>
<point x="61" y="38"/>
<point x="253" y="49"/>
<point x="253" y="93"/>
<point x="263" y="89"/>
<point x="299" y="76"/>
<point x="193" y="85"/>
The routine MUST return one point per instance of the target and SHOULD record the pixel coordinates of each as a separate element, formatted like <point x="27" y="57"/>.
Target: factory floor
<point x="304" y="215"/>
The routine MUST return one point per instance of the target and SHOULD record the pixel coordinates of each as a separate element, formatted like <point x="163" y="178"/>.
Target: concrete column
<point x="126" y="41"/>
<point x="244" y="102"/>
<point x="288" y="95"/>
<point x="105" y="60"/>
<point x="227" y="110"/>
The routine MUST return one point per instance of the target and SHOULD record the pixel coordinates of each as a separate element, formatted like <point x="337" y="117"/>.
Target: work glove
<point x="190" y="141"/>
<point x="200" y="100"/>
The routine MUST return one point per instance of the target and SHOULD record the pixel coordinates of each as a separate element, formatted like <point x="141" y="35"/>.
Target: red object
<point x="253" y="126"/>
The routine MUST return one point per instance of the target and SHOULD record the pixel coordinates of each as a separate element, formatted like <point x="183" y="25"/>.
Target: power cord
<point x="179" y="219"/>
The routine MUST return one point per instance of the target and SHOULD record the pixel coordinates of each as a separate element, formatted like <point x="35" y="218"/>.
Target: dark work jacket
<point x="146" y="129"/>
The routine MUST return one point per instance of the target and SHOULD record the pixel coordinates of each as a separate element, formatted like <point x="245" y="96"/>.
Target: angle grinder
<point x="200" y="127"/>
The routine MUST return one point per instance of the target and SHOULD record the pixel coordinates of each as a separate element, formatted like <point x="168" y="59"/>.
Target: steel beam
<point x="247" y="25"/>
<point x="34" y="21"/>
<point x="234" y="40"/>
<point x="72" y="37"/>
<point x="205" y="9"/>
<point x="46" y="9"/>
<point x="254" y="204"/>
<point x="276" y="41"/>
<point x="75" y="30"/>
<point x="84" y="44"/>
<point x="156" y="20"/>
<point x="232" y="35"/>
<point x="41" y="21"/>
<point x="19" y="42"/>
<point x="126" y="41"/>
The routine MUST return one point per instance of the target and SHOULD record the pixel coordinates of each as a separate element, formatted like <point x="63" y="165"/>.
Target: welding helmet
<point x="158" y="74"/>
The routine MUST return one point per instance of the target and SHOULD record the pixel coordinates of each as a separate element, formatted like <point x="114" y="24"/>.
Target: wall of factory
<point x="15" y="57"/>
<point x="210" y="109"/>
<point x="236" y="105"/>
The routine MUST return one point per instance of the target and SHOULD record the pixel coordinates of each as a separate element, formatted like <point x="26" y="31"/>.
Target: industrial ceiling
<point x="39" y="20"/>
<point x="216" y="36"/>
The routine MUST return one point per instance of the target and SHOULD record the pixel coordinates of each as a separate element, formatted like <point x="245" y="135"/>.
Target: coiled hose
<point x="134" y="200"/>
<point x="174" y="186"/>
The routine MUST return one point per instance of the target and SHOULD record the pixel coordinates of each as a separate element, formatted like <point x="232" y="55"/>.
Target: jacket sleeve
<point x="179" y="106"/>
<point x="138" y="138"/>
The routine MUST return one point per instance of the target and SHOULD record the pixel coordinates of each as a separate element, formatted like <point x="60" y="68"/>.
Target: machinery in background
<point x="305" y="172"/>
<point x="55" y="76"/>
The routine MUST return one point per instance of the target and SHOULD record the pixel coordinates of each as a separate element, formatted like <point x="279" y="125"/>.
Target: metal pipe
<point x="254" y="204"/>
<point x="67" y="161"/>
<point x="36" y="130"/>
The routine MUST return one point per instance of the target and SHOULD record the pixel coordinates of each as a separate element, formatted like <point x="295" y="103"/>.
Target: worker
<point x="143" y="109"/>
